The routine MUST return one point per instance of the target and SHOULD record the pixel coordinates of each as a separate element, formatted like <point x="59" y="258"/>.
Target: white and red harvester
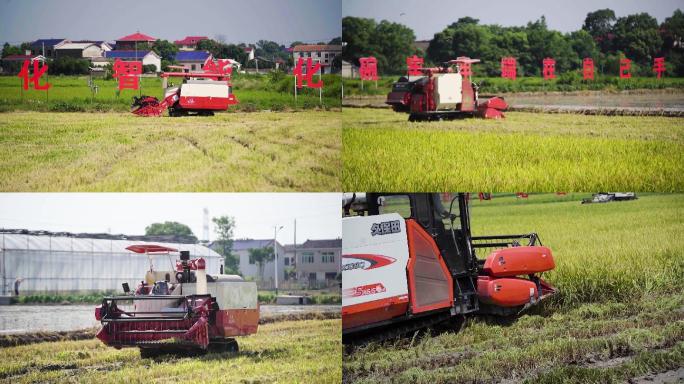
<point x="181" y="309"/>
<point x="444" y="93"/>
<point x="201" y="93"/>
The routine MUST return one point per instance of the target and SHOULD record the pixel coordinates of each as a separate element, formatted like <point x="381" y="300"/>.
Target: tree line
<point x="603" y="37"/>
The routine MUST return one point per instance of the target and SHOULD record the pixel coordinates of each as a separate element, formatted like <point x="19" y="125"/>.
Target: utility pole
<point x="205" y="225"/>
<point x="275" y="253"/>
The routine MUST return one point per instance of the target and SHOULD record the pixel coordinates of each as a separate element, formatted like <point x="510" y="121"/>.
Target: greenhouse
<point x="63" y="262"/>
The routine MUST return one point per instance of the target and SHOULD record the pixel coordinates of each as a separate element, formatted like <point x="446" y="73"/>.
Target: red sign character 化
<point x="414" y="64"/>
<point x="549" y="68"/>
<point x="35" y="79"/>
<point x="508" y="69"/>
<point x="127" y="72"/>
<point x="307" y="76"/>
<point x="659" y="66"/>
<point x="369" y="68"/>
<point x="588" y="68"/>
<point x="625" y="66"/>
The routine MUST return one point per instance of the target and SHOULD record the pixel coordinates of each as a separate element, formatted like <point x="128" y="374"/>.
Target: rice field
<point x="619" y="314"/>
<point x="382" y="151"/>
<point x="283" y="352"/>
<point x="261" y="151"/>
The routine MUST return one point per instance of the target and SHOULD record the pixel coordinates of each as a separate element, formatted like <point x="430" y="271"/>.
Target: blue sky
<point x="238" y="21"/>
<point x="318" y="214"/>
<point x="428" y="17"/>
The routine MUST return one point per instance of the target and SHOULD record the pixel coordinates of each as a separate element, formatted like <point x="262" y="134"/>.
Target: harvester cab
<point x="185" y="308"/>
<point x="409" y="262"/>
<point x="444" y="93"/>
<point x="200" y="93"/>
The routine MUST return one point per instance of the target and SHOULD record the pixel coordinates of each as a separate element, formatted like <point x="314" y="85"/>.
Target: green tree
<point x="261" y="256"/>
<point x="672" y="32"/>
<point x="224" y="227"/>
<point x="8" y="50"/>
<point x="170" y="228"/>
<point x="335" y="41"/>
<point x="166" y="50"/>
<point x="390" y="43"/>
<point x="638" y="37"/>
<point x="599" y="24"/>
<point x="583" y="44"/>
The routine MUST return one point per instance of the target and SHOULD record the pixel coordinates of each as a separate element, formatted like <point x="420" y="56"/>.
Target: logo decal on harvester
<point x="365" y="261"/>
<point x="364" y="290"/>
<point x="386" y="228"/>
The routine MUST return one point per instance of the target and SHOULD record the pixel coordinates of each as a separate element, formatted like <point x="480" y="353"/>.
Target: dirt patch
<point x="39" y="337"/>
<point x="673" y="376"/>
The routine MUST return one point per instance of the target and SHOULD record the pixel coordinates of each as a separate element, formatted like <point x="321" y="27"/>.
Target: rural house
<point x="135" y="41"/>
<point x="249" y="268"/>
<point x="323" y="54"/>
<point x="147" y="57"/>
<point x="189" y="43"/>
<point x="75" y="50"/>
<point x="192" y="60"/>
<point x="317" y="263"/>
<point x="46" y="47"/>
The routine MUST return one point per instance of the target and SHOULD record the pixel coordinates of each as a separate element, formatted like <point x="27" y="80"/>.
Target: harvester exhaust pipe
<point x="201" y="286"/>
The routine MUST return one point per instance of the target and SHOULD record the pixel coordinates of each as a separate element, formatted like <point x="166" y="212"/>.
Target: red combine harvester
<point x="184" y="309"/>
<point x="408" y="263"/>
<point x="201" y="93"/>
<point x="444" y="93"/>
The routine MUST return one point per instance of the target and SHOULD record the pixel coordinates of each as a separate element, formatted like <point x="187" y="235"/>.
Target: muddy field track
<point x="84" y="334"/>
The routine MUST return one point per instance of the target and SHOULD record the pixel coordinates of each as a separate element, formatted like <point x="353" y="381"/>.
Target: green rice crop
<point x="382" y="151"/>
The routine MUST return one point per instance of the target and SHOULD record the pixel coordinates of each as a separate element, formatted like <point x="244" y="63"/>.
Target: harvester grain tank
<point x="444" y="93"/>
<point x="409" y="263"/>
<point x="181" y="309"/>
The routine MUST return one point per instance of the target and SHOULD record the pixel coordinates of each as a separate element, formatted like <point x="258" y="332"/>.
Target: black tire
<point x="224" y="346"/>
<point x="148" y="353"/>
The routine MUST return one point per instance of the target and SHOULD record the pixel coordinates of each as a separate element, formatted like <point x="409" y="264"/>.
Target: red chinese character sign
<point x="368" y="69"/>
<point x="549" y="68"/>
<point x="35" y="79"/>
<point x="220" y="67"/>
<point x="588" y="68"/>
<point x="508" y="69"/>
<point x="414" y="64"/>
<point x="127" y="73"/>
<point x="307" y="76"/>
<point x="625" y="67"/>
<point x="659" y="66"/>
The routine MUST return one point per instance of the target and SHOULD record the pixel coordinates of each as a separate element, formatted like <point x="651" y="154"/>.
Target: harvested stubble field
<point x="619" y="314"/>
<point x="526" y="151"/>
<point x="262" y="151"/>
<point x="283" y="352"/>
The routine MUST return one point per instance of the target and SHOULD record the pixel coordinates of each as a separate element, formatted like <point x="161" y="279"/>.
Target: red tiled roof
<point x="137" y="37"/>
<point x="17" y="57"/>
<point x="316" y="47"/>
<point x="190" y="40"/>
